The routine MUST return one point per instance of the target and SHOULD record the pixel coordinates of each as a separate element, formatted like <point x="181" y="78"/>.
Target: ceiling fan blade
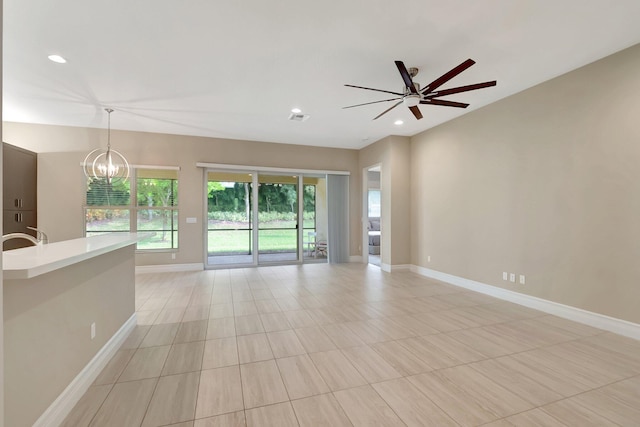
<point x="387" y="110"/>
<point x="451" y="91"/>
<point x="377" y="90"/>
<point x="416" y="112"/>
<point x="406" y="77"/>
<point x="444" y="103"/>
<point x="367" y="103"/>
<point x="447" y="76"/>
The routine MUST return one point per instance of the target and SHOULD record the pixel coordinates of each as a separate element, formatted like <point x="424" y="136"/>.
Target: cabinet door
<point x="20" y="171"/>
<point x="17" y="222"/>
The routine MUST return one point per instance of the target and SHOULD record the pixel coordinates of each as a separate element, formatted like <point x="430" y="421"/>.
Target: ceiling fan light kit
<point x="411" y="100"/>
<point x="412" y="95"/>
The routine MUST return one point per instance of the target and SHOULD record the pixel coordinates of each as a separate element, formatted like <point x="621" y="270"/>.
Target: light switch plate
<point x="192" y="220"/>
<point x="512" y="277"/>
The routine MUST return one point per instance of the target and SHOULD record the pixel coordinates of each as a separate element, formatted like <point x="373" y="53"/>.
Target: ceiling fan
<point x="412" y="95"/>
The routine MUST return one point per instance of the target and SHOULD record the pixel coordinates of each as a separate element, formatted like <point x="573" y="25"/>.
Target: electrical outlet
<point x="429" y="258"/>
<point x="512" y="277"/>
<point x="173" y="256"/>
<point x="522" y="279"/>
<point x="93" y="330"/>
<point x="505" y="275"/>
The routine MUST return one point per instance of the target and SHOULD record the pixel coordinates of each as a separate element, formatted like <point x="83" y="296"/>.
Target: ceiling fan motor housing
<point x="411" y="100"/>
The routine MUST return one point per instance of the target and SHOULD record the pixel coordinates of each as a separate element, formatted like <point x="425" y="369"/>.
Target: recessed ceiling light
<point x="57" y="58"/>
<point x="398" y="122"/>
<point x="296" y="110"/>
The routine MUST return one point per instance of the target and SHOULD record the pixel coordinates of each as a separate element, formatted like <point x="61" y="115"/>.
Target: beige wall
<point x="545" y="183"/>
<point x="47" y="323"/>
<point x="60" y="184"/>
<point x="392" y="154"/>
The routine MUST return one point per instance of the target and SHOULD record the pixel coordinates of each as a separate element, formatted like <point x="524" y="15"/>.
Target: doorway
<point x="278" y="224"/>
<point x="372" y="215"/>
<point x="268" y="218"/>
<point x="229" y="232"/>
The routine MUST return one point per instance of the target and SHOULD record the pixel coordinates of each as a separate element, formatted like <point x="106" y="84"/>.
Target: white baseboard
<point x="355" y="258"/>
<point x="64" y="403"/>
<point x="169" y="268"/>
<point x="395" y="267"/>
<point x="601" y="321"/>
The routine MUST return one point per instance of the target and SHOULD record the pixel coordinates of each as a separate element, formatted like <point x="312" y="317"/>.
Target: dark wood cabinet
<point x="19" y="193"/>
<point x="17" y="222"/>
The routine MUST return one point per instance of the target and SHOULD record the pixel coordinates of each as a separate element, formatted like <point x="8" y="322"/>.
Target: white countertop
<point x="33" y="261"/>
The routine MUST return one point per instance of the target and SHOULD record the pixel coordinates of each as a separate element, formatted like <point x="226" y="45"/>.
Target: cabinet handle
<point x="20" y="202"/>
<point x="20" y="217"/>
<point x="17" y="217"/>
<point x="16" y="203"/>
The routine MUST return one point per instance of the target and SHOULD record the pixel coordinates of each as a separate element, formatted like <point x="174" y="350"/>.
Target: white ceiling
<point x="235" y="68"/>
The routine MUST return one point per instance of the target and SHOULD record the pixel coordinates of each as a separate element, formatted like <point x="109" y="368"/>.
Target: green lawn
<point x="229" y="242"/>
<point x="120" y="223"/>
<point x="224" y="237"/>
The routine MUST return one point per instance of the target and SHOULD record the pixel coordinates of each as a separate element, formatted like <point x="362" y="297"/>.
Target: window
<point x="147" y="202"/>
<point x="374" y="203"/>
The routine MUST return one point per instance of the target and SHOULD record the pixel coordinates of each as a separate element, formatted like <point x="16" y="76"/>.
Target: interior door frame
<point x="365" y="211"/>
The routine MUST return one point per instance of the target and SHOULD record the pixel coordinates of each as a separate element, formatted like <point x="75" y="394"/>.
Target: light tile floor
<point x="342" y="345"/>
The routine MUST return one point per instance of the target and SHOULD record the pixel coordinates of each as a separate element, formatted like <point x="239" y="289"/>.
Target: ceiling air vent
<point x="298" y="117"/>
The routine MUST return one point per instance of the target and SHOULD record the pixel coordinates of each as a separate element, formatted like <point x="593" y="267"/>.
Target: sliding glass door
<point x="315" y="227"/>
<point x="277" y="218"/>
<point x="265" y="218"/>
<point x="229" y="218"/>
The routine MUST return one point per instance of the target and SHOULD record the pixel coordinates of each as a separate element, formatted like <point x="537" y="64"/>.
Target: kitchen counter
<point x="68" y="306"/>
<point x="34" y="261"/>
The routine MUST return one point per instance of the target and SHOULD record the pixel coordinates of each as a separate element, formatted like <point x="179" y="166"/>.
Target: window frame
<point x="134" y="210"/>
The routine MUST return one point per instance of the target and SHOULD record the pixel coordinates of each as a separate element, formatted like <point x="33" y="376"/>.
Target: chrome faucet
<point x="25" y="236"/>
<point x="41" y="236"/>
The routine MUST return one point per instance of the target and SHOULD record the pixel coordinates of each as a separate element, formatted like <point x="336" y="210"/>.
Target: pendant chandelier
<point x="109" y="165"/>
